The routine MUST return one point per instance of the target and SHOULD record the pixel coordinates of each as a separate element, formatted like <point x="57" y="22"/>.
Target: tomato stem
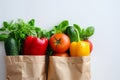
<point x="58" y="41"/>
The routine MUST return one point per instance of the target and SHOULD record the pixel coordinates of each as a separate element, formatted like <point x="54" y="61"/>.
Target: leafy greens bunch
<point x="19" y="30"/>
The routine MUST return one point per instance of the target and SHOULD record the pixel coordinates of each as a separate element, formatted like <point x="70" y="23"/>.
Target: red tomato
<point x="61" y="54"/>
<point x="91" y="45"/>
<point x="59" y="42"/>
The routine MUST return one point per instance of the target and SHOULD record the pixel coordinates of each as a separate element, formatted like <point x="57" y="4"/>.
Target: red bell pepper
<point x="35" y="46"/>
<point x="27" y="45"/>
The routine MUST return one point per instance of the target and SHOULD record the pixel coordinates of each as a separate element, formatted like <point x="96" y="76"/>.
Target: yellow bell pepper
<point x="80" y="48"/>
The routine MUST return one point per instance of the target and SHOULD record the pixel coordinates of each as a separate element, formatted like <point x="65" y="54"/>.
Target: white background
<point x="104" y="15"/>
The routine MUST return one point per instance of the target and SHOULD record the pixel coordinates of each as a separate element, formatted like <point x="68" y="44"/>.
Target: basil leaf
<point x="90" y="31"/>
<point x="64" y="25"/>
<point x="61" y="28"/>
<point x="83" y="34"/>
<point x="78" y="28"/>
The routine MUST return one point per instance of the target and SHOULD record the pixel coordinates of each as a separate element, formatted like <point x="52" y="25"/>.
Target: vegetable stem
<point x="78" y="35"/>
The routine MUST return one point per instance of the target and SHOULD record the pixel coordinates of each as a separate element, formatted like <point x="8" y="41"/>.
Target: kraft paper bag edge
<point x="25" y="67"/>
<point x="70" y="68"/>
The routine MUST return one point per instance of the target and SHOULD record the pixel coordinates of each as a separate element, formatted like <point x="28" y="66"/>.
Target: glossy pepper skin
<point x="80" y="48"/>
<point x="27" y="45"/>
<point x="35" y="46"/>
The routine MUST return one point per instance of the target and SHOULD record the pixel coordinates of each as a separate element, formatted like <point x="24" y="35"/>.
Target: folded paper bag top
<point x="25" y="67"/>
<point x="70" y="68"/>
<point x="60" y="68"/>
<point x="25" y="59"/>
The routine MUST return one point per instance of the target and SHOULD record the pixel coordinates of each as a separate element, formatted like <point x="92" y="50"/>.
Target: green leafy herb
<point x="31" y="22"/>
<point x="90" y="31"/>
<point x="3" y="37"/>
<point x="20" y="30"/>
<point x="84" y="34"/>
<point x="61" y="27"/>
<point x="77" y="27"/>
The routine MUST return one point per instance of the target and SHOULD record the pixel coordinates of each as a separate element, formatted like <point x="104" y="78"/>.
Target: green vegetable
<point x="90" y="31"/>
<point x="84" y="34"/>
<point x="61" y="28"/>
<point x="19" y="30"/>
<point x="77" y="27"/>
<point x="47" y="34"/>
<point x="3" y="36"/>
<point x="72" y="33"/>
<point x="11" y="46"/>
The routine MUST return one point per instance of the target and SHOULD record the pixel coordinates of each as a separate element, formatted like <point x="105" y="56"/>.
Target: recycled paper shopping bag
<point x="59" y="68"/>
<point x="25" y="67"/>
<point x="69" y="68"/>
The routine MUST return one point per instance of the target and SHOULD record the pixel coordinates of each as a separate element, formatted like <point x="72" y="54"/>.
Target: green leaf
<point x="22" y="36"/>
<point x="64" y="23"/>
<point x="21" y="24"/>
<point x="83" y="34"/>
<point x="31" y="22"/>
<point x="5" y="24"/>
<point x="3" y="36"/>
<point x="61" y="27"/>
<point x="38" y="32"/>
<point x="90" y="31"/>
<point x="77" y="27"/>
<point x="2" y="29"/>
<point x="46" y="34"/>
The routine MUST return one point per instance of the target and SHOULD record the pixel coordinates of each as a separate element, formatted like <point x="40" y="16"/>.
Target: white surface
<point x="104" y="15"/>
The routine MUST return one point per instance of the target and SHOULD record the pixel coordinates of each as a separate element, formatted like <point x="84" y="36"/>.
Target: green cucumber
<point x="72" y="33"/>
<point x="11" y="46"/>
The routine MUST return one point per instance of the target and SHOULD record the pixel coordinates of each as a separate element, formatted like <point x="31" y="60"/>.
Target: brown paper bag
<point x="71" y="68"/>
<point x="25" y="67"/>
<point x="60" y="68"/>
